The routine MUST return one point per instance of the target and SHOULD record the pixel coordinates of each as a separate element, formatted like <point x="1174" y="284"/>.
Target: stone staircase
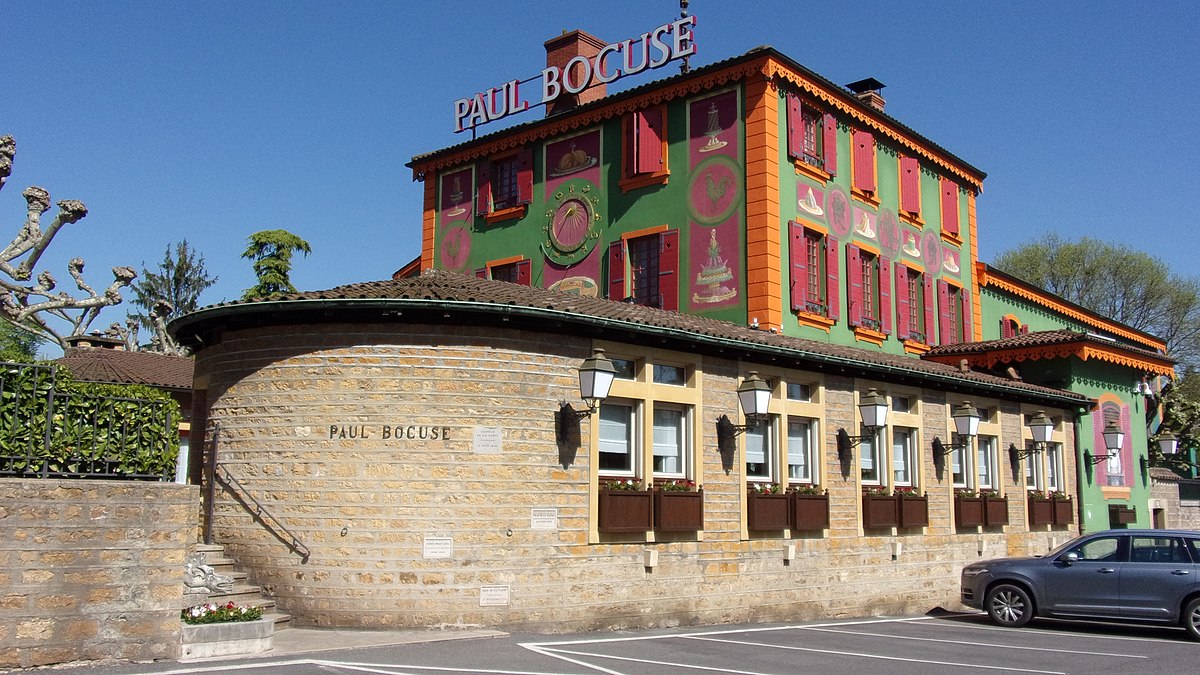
<point x="243" y="592"/>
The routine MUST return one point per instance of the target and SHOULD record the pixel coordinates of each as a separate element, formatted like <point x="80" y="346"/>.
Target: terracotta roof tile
<point x="1040" y="339"/>
<point x="91" y="364"/>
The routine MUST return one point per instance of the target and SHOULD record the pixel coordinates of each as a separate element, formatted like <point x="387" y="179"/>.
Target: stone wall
<point x="92" y="569"/>
<point x="420" y="465"/>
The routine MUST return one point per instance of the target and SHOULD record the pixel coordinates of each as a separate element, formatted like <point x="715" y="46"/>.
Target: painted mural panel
<point x="454" y="213"/>
<point x="716" y="194"/>
<point x="574" y="204"/>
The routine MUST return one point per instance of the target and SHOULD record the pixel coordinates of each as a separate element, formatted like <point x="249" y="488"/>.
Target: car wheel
<point x="1191" y="618"/>
<point x="1009" y="605"/>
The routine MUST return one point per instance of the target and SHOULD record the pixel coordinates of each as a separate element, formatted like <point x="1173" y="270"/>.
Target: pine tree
<point x="271" y="251"/>
<point x="179" y="280"/>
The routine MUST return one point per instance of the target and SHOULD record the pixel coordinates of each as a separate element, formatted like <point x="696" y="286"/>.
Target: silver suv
<point x="1122" y="575"/>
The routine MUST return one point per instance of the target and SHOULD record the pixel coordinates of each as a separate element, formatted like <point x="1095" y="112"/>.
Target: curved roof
<point x="445" y="297"/>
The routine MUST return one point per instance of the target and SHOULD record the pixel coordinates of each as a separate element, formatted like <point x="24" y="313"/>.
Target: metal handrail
<point x="261" y="513"/>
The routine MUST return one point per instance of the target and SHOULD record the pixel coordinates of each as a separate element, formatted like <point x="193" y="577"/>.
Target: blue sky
<point x="211" y="120"/>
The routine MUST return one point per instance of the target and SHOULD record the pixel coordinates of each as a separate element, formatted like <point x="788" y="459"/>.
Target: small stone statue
<point x="199" y="574"/>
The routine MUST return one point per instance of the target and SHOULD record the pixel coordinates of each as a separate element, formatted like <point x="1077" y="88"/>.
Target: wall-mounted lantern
<point x="966" y="425"/>
<point x="1168" y="457"/>
<point x="754" y="395"/>
<point x="873" y="408"/>
<point x="1114" y="440"/>
<point x="1042" y="430"/>
<point x="596" y="375"/>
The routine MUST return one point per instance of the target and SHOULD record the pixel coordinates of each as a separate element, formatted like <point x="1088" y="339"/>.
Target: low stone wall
<point x="92" y="569"/>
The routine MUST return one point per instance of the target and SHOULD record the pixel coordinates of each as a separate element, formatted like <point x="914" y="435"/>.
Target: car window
<point x="1157" y="550"/>
<point x="1194" y="545"/>
<point x="1103" y="549"/>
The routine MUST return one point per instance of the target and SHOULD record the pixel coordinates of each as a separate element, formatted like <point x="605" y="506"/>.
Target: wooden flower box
<point x="1041" y="511"/>
<point x="625" y="511"/>
<point x="914" y="511"/>
<point x="768" y="511"/>
<point x="995" y="510"/>
<point x="1064" y="512"/>
<point x="676" y="511"/>
<point x="880" y="511"/>
<point x="1121" y="515"/>
<point x="810" y="512"/>
<point x="968" y="511"/>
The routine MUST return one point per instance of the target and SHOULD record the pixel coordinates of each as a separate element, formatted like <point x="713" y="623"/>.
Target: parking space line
<point x="398" y="668"/>
<point x="878" y="657"/>
<point x="652" y="662"/>
<point x="972" y="644"/>
<point x="1033" y="630"/>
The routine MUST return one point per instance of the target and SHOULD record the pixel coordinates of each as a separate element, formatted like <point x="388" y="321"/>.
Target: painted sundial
<point x="715" y="190"/>
<point x="571" y="223"/>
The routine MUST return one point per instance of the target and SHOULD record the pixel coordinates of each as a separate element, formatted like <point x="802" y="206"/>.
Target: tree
<point x="173" y="290"/>
<point x="28" y="306"/>
<point x="1128" y="286"/>
<point x="17" y="345"/>
<point x="271" y="251"/>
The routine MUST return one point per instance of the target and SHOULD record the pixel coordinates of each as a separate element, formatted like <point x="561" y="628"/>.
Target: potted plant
<point x="1041" y="509"/>
<point x="968" y="508"/>
<point x="625" y="507"/>
<point x="768" y="507"/>
<point x="995" y="508"/>
<point x="912" y="506"/>
<point x="1064" y="511"/>
<point x="810" y="508"/>
<point x="880" y="509"/>
<point x="678" y="506"/>
<point x="221" y="630"/>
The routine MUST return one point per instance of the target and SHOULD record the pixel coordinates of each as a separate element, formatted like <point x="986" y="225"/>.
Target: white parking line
<point x="1033" y="630"/>
<point x="974" y="666"/>
<point x="972" y="644"/>
<point x="672" y="664"/>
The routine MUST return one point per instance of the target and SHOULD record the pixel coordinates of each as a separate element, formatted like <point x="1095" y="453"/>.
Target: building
<point x="745" y="227"/>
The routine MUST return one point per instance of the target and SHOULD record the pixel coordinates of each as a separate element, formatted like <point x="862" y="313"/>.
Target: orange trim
<point x="505" y="261"/>
<point x="814" y="321"/>
<point x="506" y="214"/>
<point x="809" y="225"/>
<point x="644" y="180"/>
<point x="1040" y="297"/>
<point x="914" y="347"/>
<point x="869" y="248"/>
<point x="764" y="292"/>
<point x="643" y="232"/>
<point x="811" y="171"/>
<point x="864" y="334"/>
<point x="1061" y="351"/>
<point x="1108" y="397"/>
<point x="429" y="224"/>
<point x="952" y="239"/>
<point x="911" y="219"/>
<point x="976" y="305"/>
<point x="659" y="177"/>
<point x="865" y="196"/>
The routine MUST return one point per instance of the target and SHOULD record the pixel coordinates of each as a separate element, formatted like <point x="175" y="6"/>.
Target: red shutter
<point x="483" y="200"/>
<point x="829" y="144"/>
<point x="1006" y="328"/>
<point x="833" y="295"/>
<point x="523" y="272"/>
<point x="799" y="259"/>
<point x="629" y="144"/>
<point x="945" y="318"/>
<point x="902" y="307"/>
<point x="1126" y="448"/>
<point x="482" y="273"/>
<point x="616" y="271"/>
<point x="1024" y="329"/>
<point x="910" y="184"/>
<point x="525" y="176"/>
<point x="885" y="295"/>
<point x="864" y="160"/>
<point x="795" y="127"/>
<point x="854" y="296"/>
<point x="949" y="207"/>
<point x="649" y="140"/>
<point x="668" y="270"/>
<point x="968" y="335"/>
<point x="927" y="282"/>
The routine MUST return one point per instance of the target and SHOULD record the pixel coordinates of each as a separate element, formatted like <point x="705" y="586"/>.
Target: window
<point x="800" y="449"/>
<point x="862" y="164"/>
<point x="950" y="228"/>
<point x="910" y="188"/>
<point x="1010" y="326"/>
<point x="644" y="270"/>
<point x="670" y="442"/>
<point x="890" y="457"/>
<point x="1170" y="550"/>
<point x="644" y="160"/>
<point x="798" y="391"/>
<point x="626" y="368"/>
<point x="870" y="290"/>
<point x="812" y="139"/>
<point x="954" y="314"/>
<point x="1101" y="549"/>
<point x="1116" y="469"/>
<point x="617" y="423"/>
<point x="814" y="274"/>
<point x="1034" y="470"/>
<point x="985" y="462"/>
<point x="1054" y="467"/>
<point x="904" y="456"/>
<point x="505" y="186"/>
<point x="759" y="452"/>
<point x="665" y="374"/>
<point x="870" y="458"/>
<point x="914" y="304"/>
<point x="514" y="271"/>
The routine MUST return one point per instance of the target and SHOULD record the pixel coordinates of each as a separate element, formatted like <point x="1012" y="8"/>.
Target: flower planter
<point x="1121" y="515"/>
<point x="768" y="511"/>
<point x="880" y="511"/>
<point x="677" y="511"/>
<point x="226" y="639"/>
<point x="968" y="511"/>
<point x="995" y="510"/>
<point x="810" y="512"/>
<point x="1064" y="513"/>
<point x="1041" y="511"/>
<point x="625" y="511"/>
<point x="914" y="511"/>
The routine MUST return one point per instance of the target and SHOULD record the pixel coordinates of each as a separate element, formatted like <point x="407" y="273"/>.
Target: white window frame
<point x="683" y="436"/>
<point x="633" y="440"/>
<point x="908" y="453"/>
<point x="986" y="453"/>
<point x="807" y="451"/>
<point x="770" y="451"/>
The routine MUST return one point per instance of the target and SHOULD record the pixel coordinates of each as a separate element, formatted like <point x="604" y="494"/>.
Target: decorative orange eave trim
<point x="852" y="108"/>
<point x="1039" y="297"/>
<point x="1083" y="351"/>
<point x="571" y="122"/>
<point x="429" y="224"/>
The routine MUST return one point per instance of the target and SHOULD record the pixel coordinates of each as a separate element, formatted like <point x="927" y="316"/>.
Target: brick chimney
<point x="867" y="91"/>
<point x="559" y="51"/>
